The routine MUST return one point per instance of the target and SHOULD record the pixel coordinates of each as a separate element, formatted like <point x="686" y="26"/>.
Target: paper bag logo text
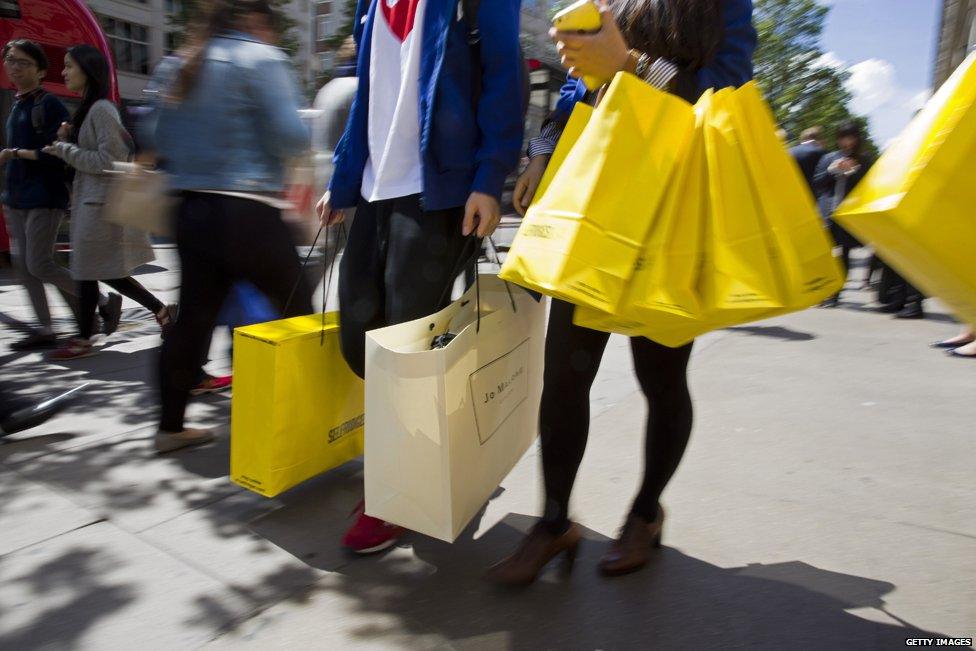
<point x="498" y="389"/>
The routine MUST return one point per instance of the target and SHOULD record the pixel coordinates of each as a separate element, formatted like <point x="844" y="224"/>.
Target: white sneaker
<point x="169" y="441"/>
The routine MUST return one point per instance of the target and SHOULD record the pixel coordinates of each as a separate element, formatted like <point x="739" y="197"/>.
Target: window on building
<point x="174" y="6"/>
<point x="172" y="42"/>
<point x="130" y="44"/>
<point x="329" y="19"/>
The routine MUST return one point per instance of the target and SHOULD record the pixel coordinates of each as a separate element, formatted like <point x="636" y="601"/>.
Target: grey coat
<point x="100" y="250"/>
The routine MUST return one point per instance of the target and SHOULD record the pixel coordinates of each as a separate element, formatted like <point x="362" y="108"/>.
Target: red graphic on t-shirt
<point x="399" y="16"/>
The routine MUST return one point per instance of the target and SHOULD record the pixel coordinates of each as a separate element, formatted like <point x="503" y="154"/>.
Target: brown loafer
<point x="632" y="549"/>
<point x="533" y="554"/>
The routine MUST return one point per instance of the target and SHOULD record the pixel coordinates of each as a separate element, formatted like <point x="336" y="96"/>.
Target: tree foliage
<point x="802" y="88"/>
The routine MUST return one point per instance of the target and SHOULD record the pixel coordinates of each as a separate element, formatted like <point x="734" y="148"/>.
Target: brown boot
<point x="533" y="554"/>
<point x="632" y="550"/>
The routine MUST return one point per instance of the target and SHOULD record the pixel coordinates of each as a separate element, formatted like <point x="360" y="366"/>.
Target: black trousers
<point x="573" y="356"/>
<point x="399" y="265"/>
<point x="129" y="287"/>
<point x="223" y="240"/>
<point x="895" y="290"/>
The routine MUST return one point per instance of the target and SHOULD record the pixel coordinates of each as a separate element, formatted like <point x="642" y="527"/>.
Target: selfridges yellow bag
<point x="756" y="249"/>
<point x="580" y="117"/>
<point x="741" y="276"/>
<point x="297" y="409"/>
<point x="804" y="249"/>
<point x="661" y="300"/>
<point x="916" y="204"/>
<point x="580" y="240"/>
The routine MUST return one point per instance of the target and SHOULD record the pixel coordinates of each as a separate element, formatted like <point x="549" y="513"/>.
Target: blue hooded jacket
<point x="464" y="148"/>
<point x="465" y="151"/>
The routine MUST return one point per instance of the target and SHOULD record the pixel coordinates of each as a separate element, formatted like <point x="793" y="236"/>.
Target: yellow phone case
<point x="581" y="16"/>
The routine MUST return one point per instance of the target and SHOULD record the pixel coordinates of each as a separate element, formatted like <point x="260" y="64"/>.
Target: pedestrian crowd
<point x="431" y="127"/>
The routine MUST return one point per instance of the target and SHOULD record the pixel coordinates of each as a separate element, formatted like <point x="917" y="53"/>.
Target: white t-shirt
<point x="394" y="167"/>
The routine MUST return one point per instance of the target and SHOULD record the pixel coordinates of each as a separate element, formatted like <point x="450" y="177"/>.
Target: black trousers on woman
<point x="223" y="240"/>
<point x="573" y="356"/>
<point x="130" y="287"/>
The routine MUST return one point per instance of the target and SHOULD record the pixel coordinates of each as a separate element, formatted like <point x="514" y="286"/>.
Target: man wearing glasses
<point x="36" y="193"/>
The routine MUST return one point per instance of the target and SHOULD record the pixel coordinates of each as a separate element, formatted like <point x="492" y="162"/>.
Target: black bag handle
<point x="475" y="243"/>
<point x="326" y="281"/>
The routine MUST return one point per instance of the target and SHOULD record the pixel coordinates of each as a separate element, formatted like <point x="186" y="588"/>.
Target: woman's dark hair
<point x="220" y="16"/>
<point x="687" y="32"/>
<point x="852" y="129"/>
<point x="95" y="66"/>
<point x="31" y="49"/>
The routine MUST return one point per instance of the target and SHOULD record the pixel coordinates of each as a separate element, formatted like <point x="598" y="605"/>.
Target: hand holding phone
<point x="580" y="17"/>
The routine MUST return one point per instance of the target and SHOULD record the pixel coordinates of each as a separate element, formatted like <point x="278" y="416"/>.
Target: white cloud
<point x="829" y="60"/>
<point x="918" y="100"/>
<point x="873" y="85"/>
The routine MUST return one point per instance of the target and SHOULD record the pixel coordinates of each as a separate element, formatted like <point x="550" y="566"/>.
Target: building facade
<point x="957" y="37"/>
<point x="141" y="33"/>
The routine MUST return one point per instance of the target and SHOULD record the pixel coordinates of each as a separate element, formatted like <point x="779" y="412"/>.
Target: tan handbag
<point x="139" y="197"/>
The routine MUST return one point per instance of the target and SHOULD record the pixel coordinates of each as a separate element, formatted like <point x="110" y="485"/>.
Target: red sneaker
<point x="212" y="385"/>
<point x="370" y="535"/>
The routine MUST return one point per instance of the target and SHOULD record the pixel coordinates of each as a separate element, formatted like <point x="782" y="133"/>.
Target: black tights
<point x="129" y="287"/>
<point x="573" y="357"/>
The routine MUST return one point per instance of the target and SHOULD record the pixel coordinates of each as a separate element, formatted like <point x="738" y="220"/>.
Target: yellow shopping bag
<point x="661" y="300"/>
<point x="915" y="206"/>
<point x="741" y="276"/>
<point x="297" y="409"/>
<point x="580" y="240"/>
<point x="577" y="122"/>
<point x="804" y="249"/>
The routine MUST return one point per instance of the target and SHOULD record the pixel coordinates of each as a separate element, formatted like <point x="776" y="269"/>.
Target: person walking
<point x="837" y="174"/>
<point x="100" y="250"/>
<point x="36" y="195"/>
<point x="223" y="124"/>
<point x="433" y="133"/>
<point x="809" y="152"/>
<point x="679" y="46"/>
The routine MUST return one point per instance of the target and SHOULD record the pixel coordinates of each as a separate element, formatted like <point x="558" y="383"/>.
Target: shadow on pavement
<point x="86" y="598"/>
<point x="677" y="602"/>
<point x="774" y="332"/>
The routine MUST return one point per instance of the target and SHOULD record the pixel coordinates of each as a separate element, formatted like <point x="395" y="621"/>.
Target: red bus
<point x="56" y="25"/>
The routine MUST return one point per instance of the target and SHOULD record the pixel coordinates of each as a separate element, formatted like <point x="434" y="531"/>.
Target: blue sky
<point x="889" y="47"/>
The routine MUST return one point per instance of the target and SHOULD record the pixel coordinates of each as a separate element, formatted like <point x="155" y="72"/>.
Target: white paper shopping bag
<point x="445" y="426"/>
